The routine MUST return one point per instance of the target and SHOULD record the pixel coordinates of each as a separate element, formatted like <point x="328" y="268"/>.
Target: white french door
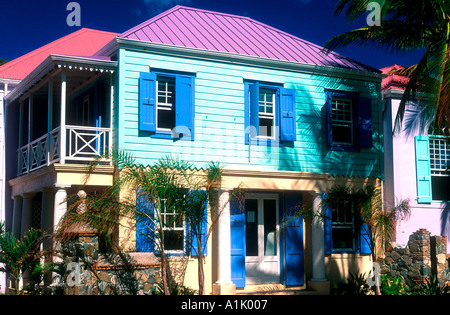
<point x="262" y="263"/>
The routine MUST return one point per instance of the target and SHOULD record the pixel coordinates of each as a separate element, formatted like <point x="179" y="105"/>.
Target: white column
<point x="318" y="241"/>
<point x="50" y="106"/>
<point x="224" y="285"/>
<point x="62" y="139"/>
<point x="48" y="200"/>
<point x="60" y="206"/>
<point x="318" y="283"/>
<point x="30" y="118"/>
<point x="17" y="216"/>
<point x="27" y="213"/>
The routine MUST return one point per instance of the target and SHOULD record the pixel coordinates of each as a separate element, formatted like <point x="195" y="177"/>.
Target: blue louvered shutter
<point x="254" y="110"/>
<point x="144" y="225"/>
<point x="364" y="239"/>
<point x="147" y="101"/>
<point x="365" y="130"/>
<point x="423" y="171"/>
<point x="237" y="231"/>
<point x="328" y="228"/>
<point x="292" y="265"/>
<point x="193" y="249"/>
<point x="184" y="106"/>
<point x="288" y="128"/>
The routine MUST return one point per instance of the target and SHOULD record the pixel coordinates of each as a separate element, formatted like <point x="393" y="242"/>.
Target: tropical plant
<point x="433" y="286"/>
<point x="392" y="285"/>
<point x="19" y="254"/>
<point x="379" y="223"/>
<point x="356" y="284"/>
<point x="170" y="186"/>
<point x="414" y="25"/>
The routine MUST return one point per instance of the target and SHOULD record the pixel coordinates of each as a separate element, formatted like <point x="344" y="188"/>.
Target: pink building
<point x="417" y="165"/>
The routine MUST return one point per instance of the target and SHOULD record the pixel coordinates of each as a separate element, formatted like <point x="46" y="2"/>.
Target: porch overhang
<point x="60" y="175"/>
<point x="54" y="63"/>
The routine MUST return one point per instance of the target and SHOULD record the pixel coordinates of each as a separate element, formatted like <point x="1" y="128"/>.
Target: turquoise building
<point x="286" y="121"/>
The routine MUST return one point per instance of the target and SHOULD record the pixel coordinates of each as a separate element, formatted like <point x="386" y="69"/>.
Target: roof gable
<point x="393" y="81"/>
<point x="84" y="42"/>
<point x="214" y="31"/>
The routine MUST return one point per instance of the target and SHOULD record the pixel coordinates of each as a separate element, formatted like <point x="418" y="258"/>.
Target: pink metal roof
<point x="393" y="81"/>
<point x="214" y="31"/>
<point x="84" y="42"/>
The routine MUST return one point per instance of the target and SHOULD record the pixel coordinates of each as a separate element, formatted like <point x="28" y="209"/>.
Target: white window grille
<point x="342" y="121"/>
<point x="439" y="156"/>
<point x="266" y="113"/>
<point x="165" y="106"/>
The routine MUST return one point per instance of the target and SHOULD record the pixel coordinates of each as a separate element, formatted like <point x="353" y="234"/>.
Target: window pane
<point x="251" y="227"/>
<point x="166" y="119"/>
<point x="440" y="188"/>
<point x="343" y="238"/>
<point x="265" y="127"/>
<point x="173" y="239"/>
<point x="270" y="226"/>
<point x="342" y="134"/>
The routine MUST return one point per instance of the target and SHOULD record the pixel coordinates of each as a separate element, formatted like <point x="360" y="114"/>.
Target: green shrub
<point x="392" y="286"/>
<point x="433" y="286"/>
<point x="356" y="285"/>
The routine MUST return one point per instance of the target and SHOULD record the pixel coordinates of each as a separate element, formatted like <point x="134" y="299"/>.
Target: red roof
<point x="215" y="31"/>
<point x="84" y="42"/>
<point x="393" y="81"/>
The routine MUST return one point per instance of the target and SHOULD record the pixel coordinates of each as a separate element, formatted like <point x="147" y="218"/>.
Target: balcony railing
<point x="82" y="145"/>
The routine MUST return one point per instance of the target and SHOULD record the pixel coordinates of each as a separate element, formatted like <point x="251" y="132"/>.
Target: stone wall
<point x="89" y="272"/>
<point x="423" y="255"/>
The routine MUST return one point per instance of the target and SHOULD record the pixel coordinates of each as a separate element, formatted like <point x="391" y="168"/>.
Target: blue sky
<point x="27" y="25"/>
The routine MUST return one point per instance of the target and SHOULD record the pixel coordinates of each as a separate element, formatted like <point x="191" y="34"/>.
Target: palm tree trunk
<point x="201" y="272"/>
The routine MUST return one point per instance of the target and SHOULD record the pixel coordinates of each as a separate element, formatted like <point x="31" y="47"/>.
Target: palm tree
<point x="379" y="223"/>
<point x="170" y="186"/>
<point x="19" y="254"/>
<point x="413" y="25"/>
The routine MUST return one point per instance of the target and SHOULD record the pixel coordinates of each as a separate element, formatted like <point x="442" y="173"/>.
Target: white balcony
<point x="83" y="144"/>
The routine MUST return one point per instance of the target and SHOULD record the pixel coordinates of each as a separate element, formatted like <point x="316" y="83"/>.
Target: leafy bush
<point x="433" y="286"/>
<point x="393" y="286"/>
<point x="356" y="285"/>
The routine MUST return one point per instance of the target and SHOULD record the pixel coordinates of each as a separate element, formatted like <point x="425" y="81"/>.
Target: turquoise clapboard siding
<point x="220" y="118"/>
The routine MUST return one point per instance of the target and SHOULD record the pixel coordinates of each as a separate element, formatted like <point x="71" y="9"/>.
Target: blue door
<point x="292" y="264"/>
<point x="237" y="230"/>
<point x="251" y="234"/>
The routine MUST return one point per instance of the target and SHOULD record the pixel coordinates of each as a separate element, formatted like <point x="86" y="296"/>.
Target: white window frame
<point x="342" y="122"/>
<point x="167" y="95"/>
<point x="345" y="225"/>
<point x="439" y="155"/>
<point x="164" y="215"/>
<point x="265" y="115"/>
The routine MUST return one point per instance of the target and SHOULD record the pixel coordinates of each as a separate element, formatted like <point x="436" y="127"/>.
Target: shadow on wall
<point x="445" y="221"/>
<point x="310" y="153"/>
<point x="339" y="267"/>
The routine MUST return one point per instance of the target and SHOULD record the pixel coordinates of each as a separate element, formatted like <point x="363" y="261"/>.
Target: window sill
<point x="169" y="135"/>
<point x="343" y="147"/>
<point x="265" y="142"/>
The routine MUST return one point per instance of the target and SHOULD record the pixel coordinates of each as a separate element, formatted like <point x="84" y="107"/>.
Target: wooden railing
<point x="82" y="144"/>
